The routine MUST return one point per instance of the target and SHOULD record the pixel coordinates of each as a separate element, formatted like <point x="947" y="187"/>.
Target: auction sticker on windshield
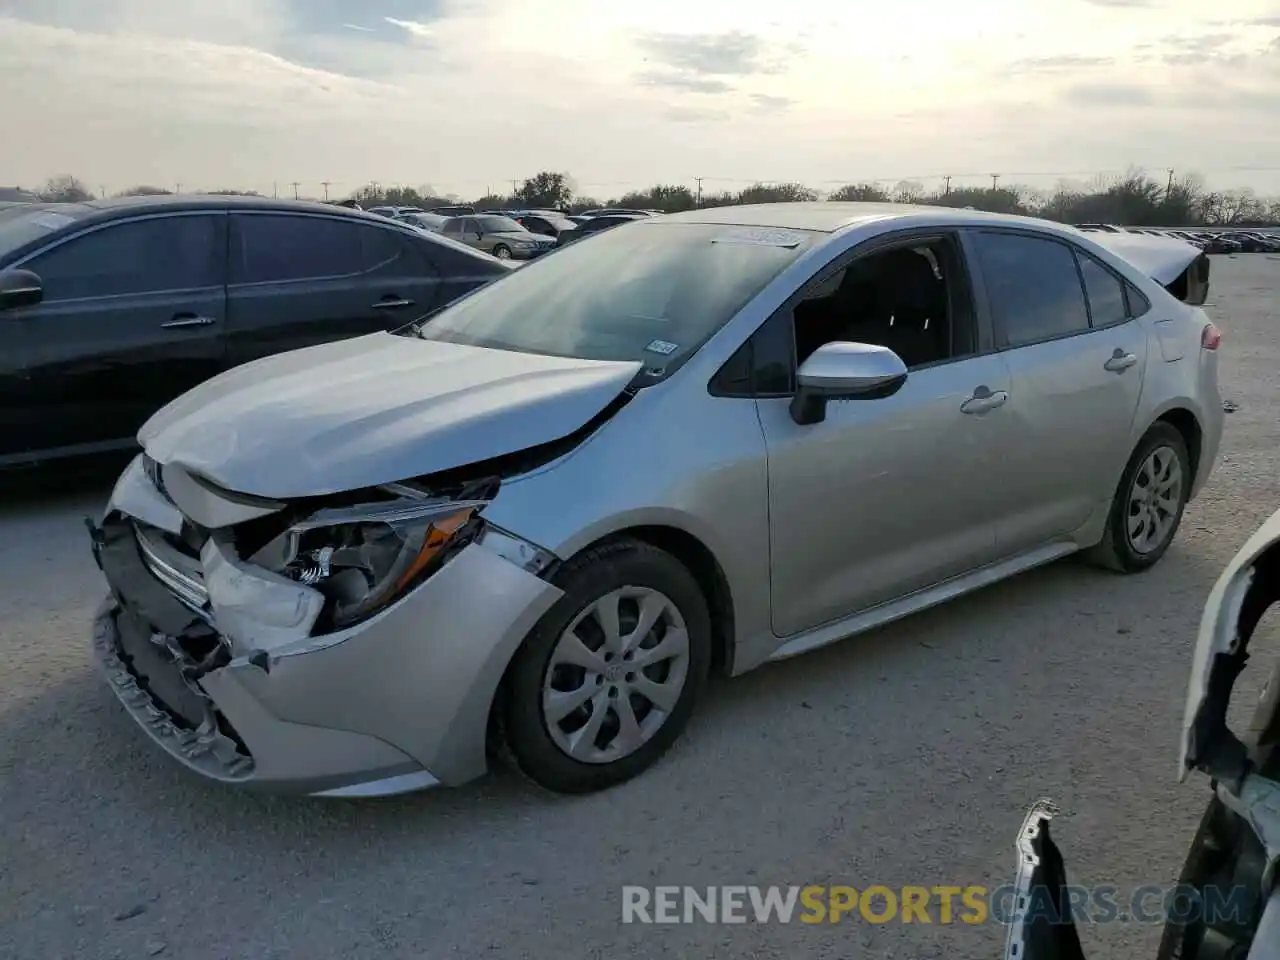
<point x="761" y="237"/>
<point x="664" y="347"/>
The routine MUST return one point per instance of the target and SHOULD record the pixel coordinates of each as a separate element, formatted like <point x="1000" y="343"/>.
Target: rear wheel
<point x="502" y="252"/>
<point x="607" y="680"/>
<point x="1148" y="504"/>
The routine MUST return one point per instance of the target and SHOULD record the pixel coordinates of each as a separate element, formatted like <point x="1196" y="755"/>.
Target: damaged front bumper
<point x="216" y="661"/>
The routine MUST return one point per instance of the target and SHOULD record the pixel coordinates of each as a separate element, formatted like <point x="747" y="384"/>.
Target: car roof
<point x="114" y="207"/>
<point x="825" y="216"/>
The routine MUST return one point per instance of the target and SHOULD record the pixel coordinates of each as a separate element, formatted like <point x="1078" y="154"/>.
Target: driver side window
<point x="913" y="299"/>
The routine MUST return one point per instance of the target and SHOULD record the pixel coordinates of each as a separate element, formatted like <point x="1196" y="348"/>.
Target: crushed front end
<point x="344" y="645"/>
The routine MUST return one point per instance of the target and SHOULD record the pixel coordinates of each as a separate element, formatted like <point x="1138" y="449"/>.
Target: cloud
<point x="686" y="82"/>
<point x="694" y="115"/>
<point x="1118" y="95"/>
<point x="417" y="30"/>
<point x="355" y="26"/>
<point x="766" y="103"/>
<point x="1061" y="62"/>
<point x="721" y="54"/>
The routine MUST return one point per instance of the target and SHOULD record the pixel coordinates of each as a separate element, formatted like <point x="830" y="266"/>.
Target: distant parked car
<point x="500" y="236"/>
<point x="431" y="222"/>
<point x="110" y="309"/>
<point x="392" y="213"/>
<point x="545" y="223"/>
<point x="455" y="211"/>
<point x="593" y="225"/>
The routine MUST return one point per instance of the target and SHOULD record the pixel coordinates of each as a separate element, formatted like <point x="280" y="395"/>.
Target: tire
<point x="502" y="252"/>
<point x="541" y="745"/>
<point x="1118" y="550"/>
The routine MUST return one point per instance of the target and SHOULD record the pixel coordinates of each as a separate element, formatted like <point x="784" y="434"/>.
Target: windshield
<point x="651" y="291"/>
<point x="498" y="225"/>
<point x="21" y="224"/>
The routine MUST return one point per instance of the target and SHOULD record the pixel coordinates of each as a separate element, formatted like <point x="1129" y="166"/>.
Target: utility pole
<point x="1168" y="190"/>
<point x="295" y="186"/>
<point x="275" y="190"/>
<point x="179" y="188"/>
<point x="948" y="187"/>
<point x="102" y="190"/>
<point x="325" y="184"/>
<point x="995" y="178"/>
<point x="698" y="200"/>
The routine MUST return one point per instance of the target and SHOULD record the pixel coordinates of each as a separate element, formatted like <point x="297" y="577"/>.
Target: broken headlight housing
<point x="365" y="558"/>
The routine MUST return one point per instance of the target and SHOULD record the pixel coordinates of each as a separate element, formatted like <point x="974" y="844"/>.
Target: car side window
<point x="1033" y="287"/>
<point x="380" y="247"/>
<point x="1105" y="290"/>
<point x="913" y="299"/>
<point x="276" y="248"/>
<point x="154" y="255"/>
<point x="469" y="225"/>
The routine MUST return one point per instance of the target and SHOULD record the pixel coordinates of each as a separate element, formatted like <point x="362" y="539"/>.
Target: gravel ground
<point x="905" y="757"/>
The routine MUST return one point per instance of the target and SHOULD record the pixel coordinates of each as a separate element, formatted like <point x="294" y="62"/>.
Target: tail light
<point x="1210" y="337"/>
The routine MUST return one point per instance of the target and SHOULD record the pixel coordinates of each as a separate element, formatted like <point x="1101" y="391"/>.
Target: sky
<point x="466" y="96"/>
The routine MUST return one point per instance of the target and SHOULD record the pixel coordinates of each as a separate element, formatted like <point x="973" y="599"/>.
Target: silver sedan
<point x="543" y="516"/>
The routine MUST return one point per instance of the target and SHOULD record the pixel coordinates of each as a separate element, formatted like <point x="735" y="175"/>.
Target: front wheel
<point x="502" y="252"/>
<point x="607" y="680"/>
<point x="1148" y="503"/>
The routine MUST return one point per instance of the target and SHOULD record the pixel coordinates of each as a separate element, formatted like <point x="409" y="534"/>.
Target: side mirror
<point x="845" y="371"/>
<point x="20" y="288"/>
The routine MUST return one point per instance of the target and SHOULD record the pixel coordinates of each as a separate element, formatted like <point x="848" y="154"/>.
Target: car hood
<point x="372" y="410"/>
<point x="1163" y="259"/>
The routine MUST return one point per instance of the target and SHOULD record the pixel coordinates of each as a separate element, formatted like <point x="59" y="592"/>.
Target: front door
<point x="1076" y="359"/>
<point x="132" y="317"/>
<point x="887" y="496"/>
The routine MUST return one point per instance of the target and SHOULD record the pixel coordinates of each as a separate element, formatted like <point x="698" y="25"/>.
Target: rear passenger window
<point x="1033" y="287"/>
<point x="273" y="248"/>
<point x="142" y="256"/>
<point x="380" y="247"/>
<point x="1137" y="300"/>
<point x="1107" y="305"/>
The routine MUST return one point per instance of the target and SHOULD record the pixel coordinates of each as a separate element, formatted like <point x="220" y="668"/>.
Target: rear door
<point x="1076" y="363"/>
<point x="297" y="280"/>
<point x="133" y="315"/>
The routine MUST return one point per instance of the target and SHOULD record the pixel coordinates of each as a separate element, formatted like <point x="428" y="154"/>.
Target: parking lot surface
<point x="908" y="756"/>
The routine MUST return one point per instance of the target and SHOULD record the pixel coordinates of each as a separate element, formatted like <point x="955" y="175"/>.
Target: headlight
<point x="364" y="558"/>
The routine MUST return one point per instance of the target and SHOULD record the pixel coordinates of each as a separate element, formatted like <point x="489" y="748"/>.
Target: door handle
<point x="1120" y="361"/>
<point x="392" y="303"/>
<point x="182" y="320"/>
<point x="983" y="400"/>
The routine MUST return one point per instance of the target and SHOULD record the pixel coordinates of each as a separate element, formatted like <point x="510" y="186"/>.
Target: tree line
<point x="1132" y="199"/>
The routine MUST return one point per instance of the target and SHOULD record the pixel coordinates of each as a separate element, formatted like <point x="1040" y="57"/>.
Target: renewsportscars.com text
<point x="816" y="904"/>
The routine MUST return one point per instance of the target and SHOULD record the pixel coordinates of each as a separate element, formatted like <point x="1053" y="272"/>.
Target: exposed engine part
<point x="318" y="569"/>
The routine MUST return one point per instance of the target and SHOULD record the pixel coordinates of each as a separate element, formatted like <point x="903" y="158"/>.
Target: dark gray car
<point x="110" y="309"/>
